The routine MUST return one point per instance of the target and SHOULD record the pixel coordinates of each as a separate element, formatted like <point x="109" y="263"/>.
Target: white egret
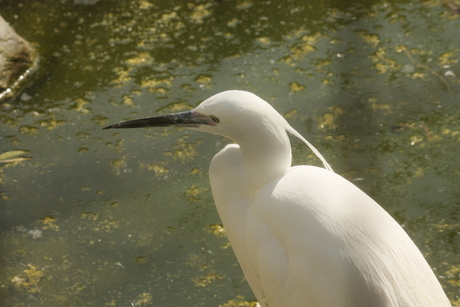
<point x="303" y="235"/>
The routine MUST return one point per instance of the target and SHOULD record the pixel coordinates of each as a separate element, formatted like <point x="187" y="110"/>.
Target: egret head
<point x="233" y="114"/>
<point x="239" y="115"/>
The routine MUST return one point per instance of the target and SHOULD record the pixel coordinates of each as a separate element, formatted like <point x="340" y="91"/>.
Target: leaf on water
<point x="13" y="156"/>
<point x="14" y="160"/>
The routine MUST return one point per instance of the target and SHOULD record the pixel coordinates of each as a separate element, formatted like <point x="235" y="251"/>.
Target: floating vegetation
<point x="13" y="156"/>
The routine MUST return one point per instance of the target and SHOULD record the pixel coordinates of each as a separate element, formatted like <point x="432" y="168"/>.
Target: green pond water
<point x="126" y="218"/>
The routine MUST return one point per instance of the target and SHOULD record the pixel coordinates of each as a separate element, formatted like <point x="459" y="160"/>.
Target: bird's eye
<point x="215" y="119"/>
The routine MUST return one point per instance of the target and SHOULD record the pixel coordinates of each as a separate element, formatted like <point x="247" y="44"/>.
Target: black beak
<point x="183" y="119"/>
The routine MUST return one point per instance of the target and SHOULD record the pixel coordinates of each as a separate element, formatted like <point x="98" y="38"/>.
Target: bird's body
<point x="288" y="241"/>
<point x="304" y="236"/>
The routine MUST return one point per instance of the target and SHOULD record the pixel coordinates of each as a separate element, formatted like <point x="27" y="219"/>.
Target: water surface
<point x="126" y="218"/>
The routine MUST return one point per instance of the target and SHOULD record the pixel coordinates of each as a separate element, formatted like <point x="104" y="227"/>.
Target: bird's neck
<point x="265" y="158"/>
<point x="239" y="171"/>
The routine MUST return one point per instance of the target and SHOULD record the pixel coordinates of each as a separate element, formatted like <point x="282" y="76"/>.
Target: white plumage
<point x="303" y="235"/>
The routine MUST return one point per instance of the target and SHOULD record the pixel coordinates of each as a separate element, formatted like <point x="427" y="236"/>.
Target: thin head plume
<point x="315" y="151"/>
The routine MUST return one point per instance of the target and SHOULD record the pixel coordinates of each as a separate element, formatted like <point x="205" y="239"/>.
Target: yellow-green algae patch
<point x="29" y="280"/>
<point x="296" y="87"/>
<point x="199" y="12"/>
<point x="383" y="64"/>
<point x="239" y="302"/>
<point x="329" y="119"/>
<point x="217" y="230"/>
<point x="183" y="151"/>
<point x="143" y="299"/>
<point x="206" y="279"/>
<point x="193" y="194"/>
<point x="158" y="168"/>
<point x="175" y="107"/>
<point x="49" y="222"/>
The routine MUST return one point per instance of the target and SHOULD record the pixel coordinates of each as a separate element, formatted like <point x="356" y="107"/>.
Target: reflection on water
<point x="92" y="217"/>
